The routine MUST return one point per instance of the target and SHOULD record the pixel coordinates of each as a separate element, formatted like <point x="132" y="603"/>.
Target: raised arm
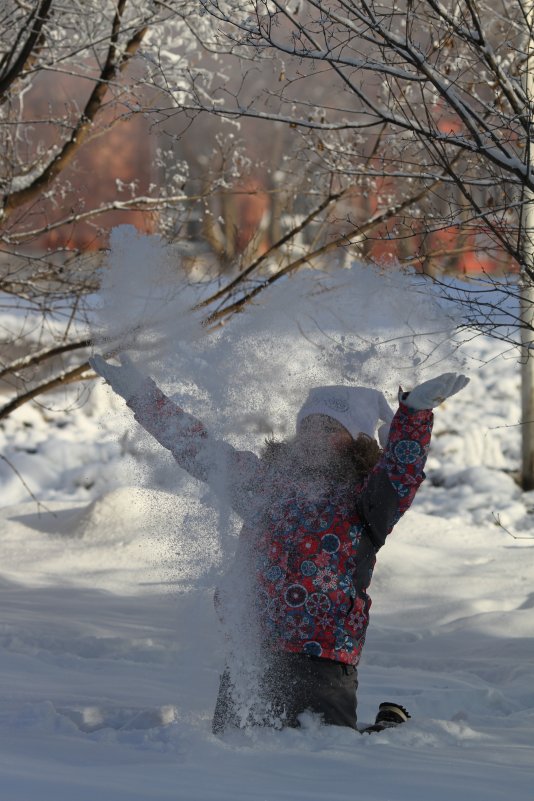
<point x="229" y="471"/>
<point x="391" y="486"/>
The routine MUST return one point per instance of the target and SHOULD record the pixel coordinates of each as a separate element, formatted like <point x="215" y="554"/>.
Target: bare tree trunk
<point x="527" y="386"/>
<point x="527" y="288"/>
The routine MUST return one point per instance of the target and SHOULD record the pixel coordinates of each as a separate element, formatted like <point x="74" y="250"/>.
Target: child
<point x="315" y="510"/>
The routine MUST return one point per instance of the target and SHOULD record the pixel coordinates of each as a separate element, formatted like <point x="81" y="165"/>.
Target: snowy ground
<point x="110" y="650"/>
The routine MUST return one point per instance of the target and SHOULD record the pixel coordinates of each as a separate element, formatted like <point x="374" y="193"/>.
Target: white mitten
<point x="125" y="379"/>
<point x="431" y="393"/>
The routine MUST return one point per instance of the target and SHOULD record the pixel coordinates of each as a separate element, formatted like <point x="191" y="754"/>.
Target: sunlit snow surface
<point x="110" y="648"/>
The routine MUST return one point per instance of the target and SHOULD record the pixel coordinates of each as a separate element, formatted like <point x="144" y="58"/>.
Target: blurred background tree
<point x="260" y="137"/>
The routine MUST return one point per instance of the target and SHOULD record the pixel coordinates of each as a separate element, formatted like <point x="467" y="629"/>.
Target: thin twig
<point x="498" y="523"/>
<point x="39" y="503"/>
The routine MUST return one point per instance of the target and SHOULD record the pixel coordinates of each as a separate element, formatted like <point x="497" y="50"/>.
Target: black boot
<point x="389" y="715"/>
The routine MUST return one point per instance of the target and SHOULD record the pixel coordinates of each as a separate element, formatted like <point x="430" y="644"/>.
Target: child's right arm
<point x="229" y="471"/>
<point x="185" y="436"/>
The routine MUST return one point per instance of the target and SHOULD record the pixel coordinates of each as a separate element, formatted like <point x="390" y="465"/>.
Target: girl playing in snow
<point x="315" y="510"/>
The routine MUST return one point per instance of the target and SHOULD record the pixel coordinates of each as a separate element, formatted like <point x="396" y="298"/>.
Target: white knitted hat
<point x="358" y="409"/>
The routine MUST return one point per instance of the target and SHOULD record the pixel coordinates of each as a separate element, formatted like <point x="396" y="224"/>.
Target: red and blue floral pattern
<point x="310" y="558"/>
<point x="309" y="570"/>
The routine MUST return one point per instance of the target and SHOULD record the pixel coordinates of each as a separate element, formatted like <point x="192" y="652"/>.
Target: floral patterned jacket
<point x="308" y="547"/>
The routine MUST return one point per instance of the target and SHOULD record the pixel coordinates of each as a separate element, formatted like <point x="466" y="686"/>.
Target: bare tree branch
<point x="35" y="359"/>
<point x="12" y="73"/>
<point x="61" y="380"/>
<point x="357" y="234"/>
<point x="112" y="66"/>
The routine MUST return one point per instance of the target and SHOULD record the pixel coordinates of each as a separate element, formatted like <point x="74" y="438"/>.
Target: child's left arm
<point x="391" y="486"/>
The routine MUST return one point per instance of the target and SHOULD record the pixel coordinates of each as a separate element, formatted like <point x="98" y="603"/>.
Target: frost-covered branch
<point x="64" y="378"/>
<point x="13" y="64"/>
<point x="34" y="359"/>
<point x="115" y="62"/>
<point x="349" y="239"/>
<point x="139" y="203"/>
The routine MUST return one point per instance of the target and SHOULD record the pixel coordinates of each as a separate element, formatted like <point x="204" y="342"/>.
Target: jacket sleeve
<point x="230" y="472"/>
<point x="391" y="486"/>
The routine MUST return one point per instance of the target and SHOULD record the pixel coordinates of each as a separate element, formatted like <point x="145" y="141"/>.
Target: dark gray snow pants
<point x="290" y="684"/>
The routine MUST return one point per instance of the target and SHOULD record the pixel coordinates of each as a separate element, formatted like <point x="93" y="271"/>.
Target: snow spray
<point x="246" y="380"/>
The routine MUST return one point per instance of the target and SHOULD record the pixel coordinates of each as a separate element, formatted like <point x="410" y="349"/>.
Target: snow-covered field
<point x="110" y="649"/>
